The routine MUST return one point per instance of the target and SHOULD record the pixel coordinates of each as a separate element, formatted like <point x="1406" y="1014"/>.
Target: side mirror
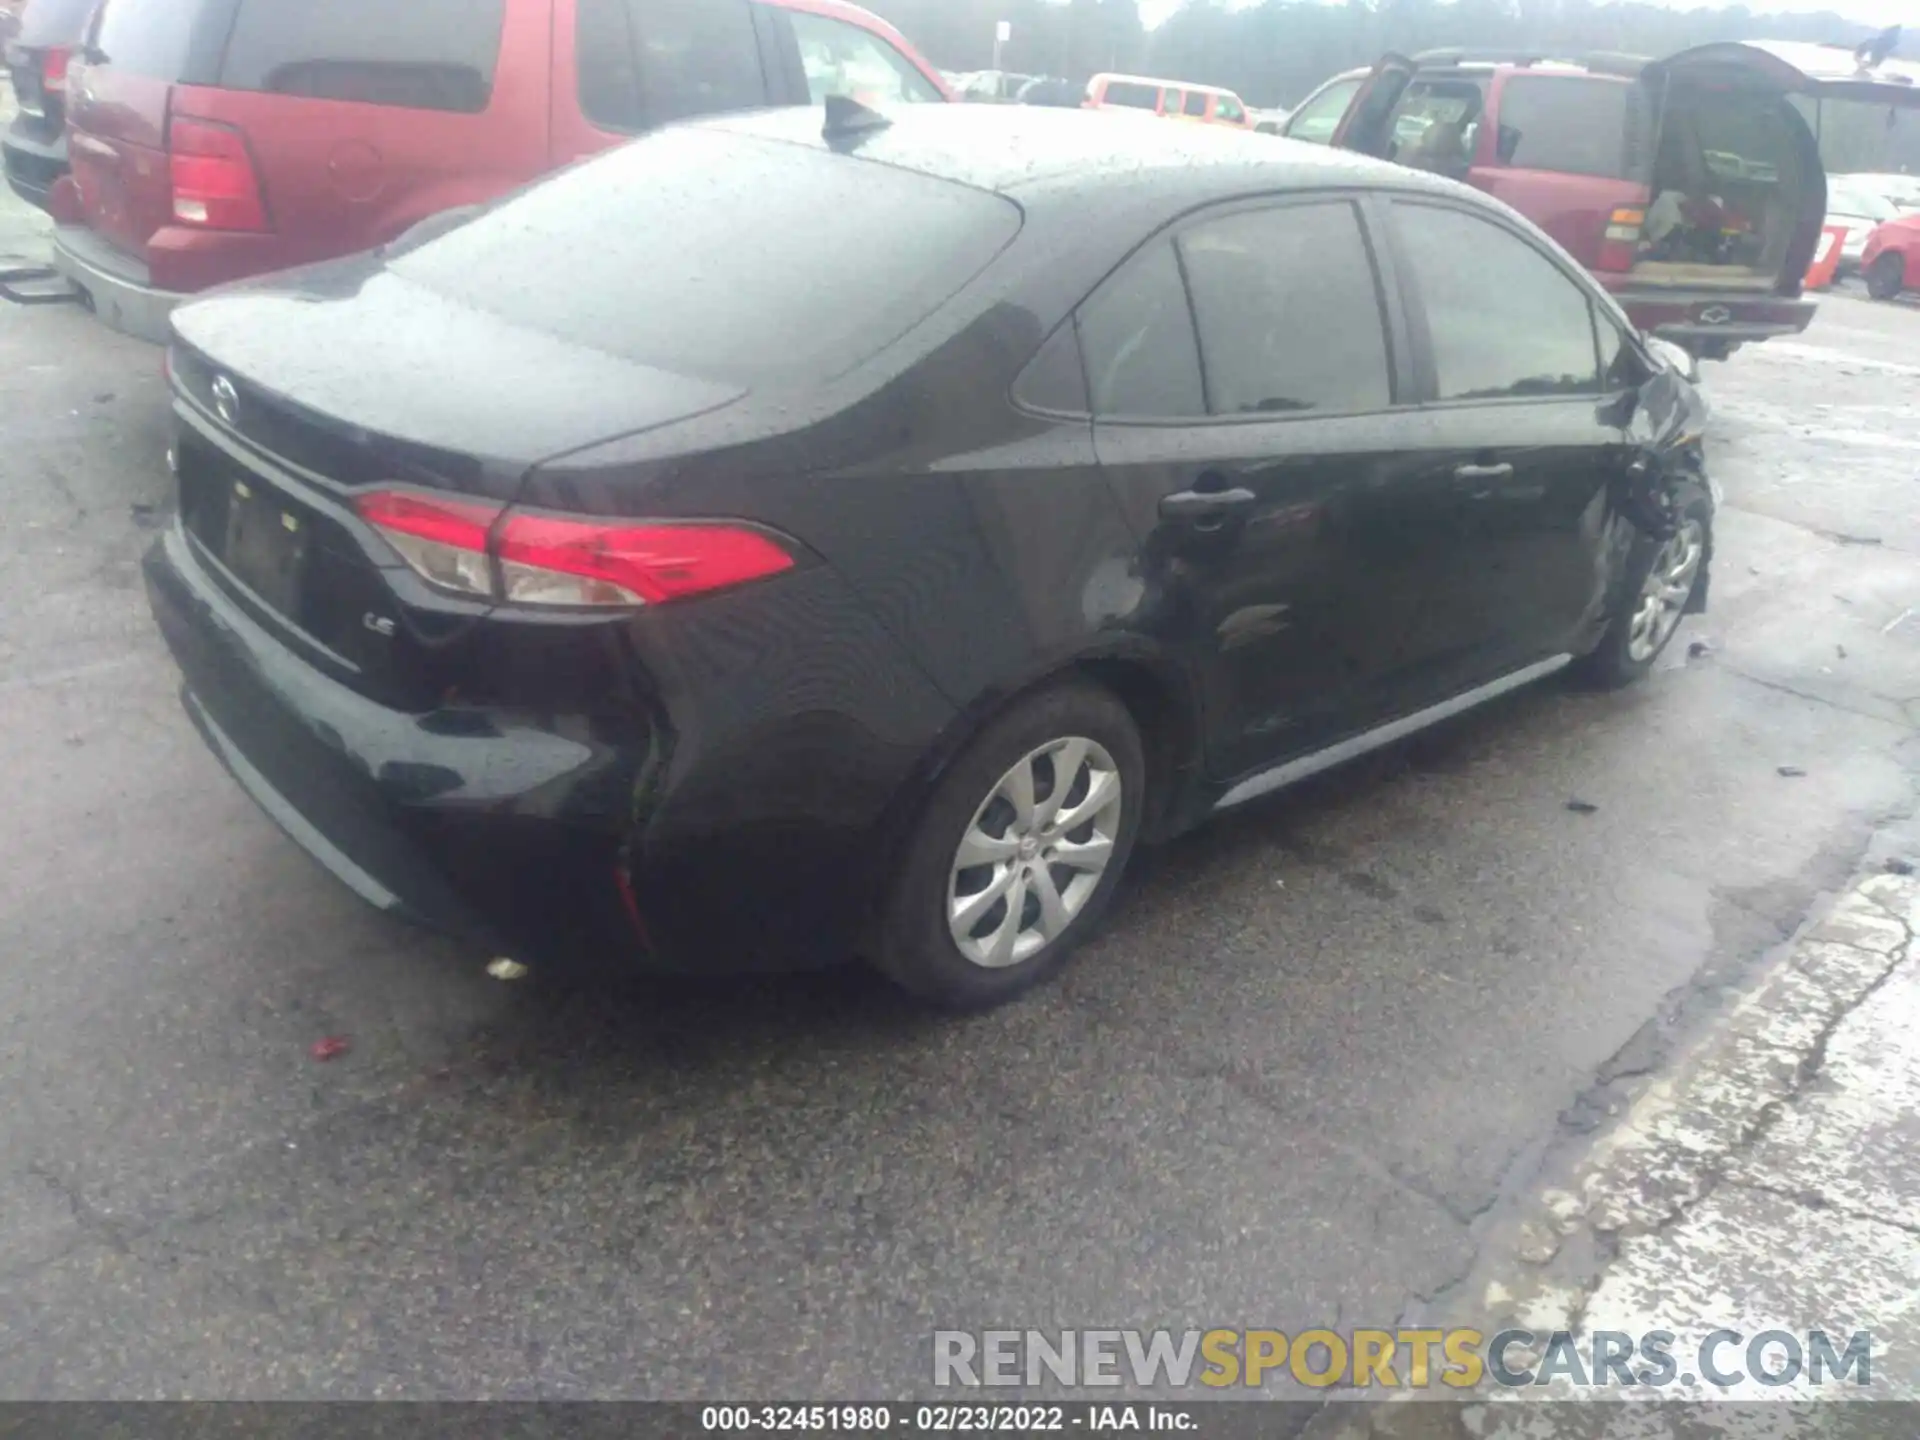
<point x="1674" y="357"/>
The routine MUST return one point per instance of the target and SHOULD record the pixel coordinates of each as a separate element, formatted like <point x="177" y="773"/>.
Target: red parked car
<point x="1692" y="187"/>
<point x="212" y="140"/>
<point x="1891" y="261"/>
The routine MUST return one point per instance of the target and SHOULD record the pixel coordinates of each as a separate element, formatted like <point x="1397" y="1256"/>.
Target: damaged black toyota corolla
<point x="776" y="541"/>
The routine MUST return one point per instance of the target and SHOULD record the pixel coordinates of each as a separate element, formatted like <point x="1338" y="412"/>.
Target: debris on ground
<point x="1841" y="651"/>
<point x="1699" y="648"/>
<point x="1896" y="866"/>
<point x="1583" y="807"/>
<point x="331" y="1048"/>
<point x="504" y="969"/>
<point x="1792" y="772"/>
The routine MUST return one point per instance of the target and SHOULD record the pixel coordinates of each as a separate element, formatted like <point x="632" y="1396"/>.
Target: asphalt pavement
<point x="1292" y="1083"/>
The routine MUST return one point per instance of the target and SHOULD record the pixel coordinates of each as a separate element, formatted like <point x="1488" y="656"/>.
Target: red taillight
<point x="567" y="560"/>
<point x="214" y="183"/>
<point x="1620" y="245"/>
<point x="53" y="71"/>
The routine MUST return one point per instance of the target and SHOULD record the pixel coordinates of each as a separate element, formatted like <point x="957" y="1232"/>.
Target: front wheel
<point x="1664" y="575"/>
<point x="1018" y="852"/>
<point x="1887" y="276"/>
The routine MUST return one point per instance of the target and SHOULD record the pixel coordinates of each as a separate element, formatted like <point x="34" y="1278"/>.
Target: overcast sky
<point x="1871" y="12"/>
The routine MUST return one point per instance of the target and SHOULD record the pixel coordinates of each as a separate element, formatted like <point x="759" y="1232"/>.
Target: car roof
<point x="1029" y="153"/>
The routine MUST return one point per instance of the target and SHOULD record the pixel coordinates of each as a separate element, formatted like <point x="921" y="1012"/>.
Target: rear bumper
<point x="1711" y="321"/>
<point x="33" y="163"/>
<point x="745" y="828"/>
<point x="430" y="820"/>
<point x="117" y="287"/>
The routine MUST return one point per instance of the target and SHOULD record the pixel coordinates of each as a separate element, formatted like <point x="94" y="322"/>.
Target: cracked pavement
<point x="1321" y="1053"/>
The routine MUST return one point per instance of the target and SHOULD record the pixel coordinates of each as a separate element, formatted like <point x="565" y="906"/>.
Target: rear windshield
<point x="721" y="256"/>
<point x="421" y="54"/>
<point x="1565" y="123"/>
<point x="1139" y="97"/>
<point x="54" y="22"/>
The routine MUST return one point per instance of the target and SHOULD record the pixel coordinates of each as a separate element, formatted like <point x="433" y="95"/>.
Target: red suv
<point x="1692" y="187"/>
<point x="211" y="140"/>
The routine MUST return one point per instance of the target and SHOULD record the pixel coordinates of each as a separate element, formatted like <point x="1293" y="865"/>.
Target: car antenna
<point x="849" y="120"/>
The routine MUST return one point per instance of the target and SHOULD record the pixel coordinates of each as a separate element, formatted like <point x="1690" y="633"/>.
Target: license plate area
<point x="266" y="545"/>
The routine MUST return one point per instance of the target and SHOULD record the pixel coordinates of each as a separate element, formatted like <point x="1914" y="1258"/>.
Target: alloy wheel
<point x="1034" y="853"/>
<point x="1663" y="598"/>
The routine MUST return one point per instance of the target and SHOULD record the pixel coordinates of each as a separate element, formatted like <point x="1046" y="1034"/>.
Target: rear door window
<point x="844" y="59"/>
<point x="1196" y="105"/>
<point x="1436" y="124"/>
<point x="1503" y="320"/>
<point x="1565" y="123"/>
<point x="650" y="62"/>
<point x="421" y="55"/>
<point x="1288" y="311"/>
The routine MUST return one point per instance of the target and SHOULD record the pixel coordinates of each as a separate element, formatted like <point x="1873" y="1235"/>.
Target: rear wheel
<point x="1019" y="851"/>
<point x="1664" y="575"/>
<point x="1887" y="276"/>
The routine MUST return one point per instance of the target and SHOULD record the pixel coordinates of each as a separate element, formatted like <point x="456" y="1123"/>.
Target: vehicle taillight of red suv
<point x="212" y="140"/>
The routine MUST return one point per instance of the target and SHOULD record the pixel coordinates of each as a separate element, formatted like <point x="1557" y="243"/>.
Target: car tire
<point x="1887" y="276"/>
<point x="1655" y="581"/>
<point x="939" y="904"/>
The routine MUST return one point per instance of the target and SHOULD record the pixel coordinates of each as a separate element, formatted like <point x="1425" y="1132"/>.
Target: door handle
<point x="1483" y="472"/>
<point x="1189" y="506"/>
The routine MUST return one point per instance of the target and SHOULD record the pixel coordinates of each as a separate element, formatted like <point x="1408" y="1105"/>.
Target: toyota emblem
<point x="226" y="401"/>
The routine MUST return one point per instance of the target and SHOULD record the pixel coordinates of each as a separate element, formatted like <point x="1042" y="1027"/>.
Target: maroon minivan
<point x="211" y="140"/>
<point x="1692" y="187"/>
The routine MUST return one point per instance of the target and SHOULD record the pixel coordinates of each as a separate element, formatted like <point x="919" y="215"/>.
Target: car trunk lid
<point x="1774" y="200"/>
<point x="269" y="482"/>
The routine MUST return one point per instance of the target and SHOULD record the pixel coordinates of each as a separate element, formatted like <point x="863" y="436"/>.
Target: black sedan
<point x="780" y="540"/>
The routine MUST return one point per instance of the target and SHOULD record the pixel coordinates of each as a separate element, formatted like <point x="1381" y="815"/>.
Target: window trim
<point x="1414" y="301"/>
<point x="1394" y="332"/>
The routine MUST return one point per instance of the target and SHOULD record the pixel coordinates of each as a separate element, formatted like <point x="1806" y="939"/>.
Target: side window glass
<point x="1528" y="332"/>
<point x="1620" y="365"/>
<point x="650" y="62"/>
<point x="1131" y="95"/>
<point x="1435" y="125"/>
<point x="1054" y="380"/>
<point x="1288" y="312"/>
<point x="1230" y="110"/>
<point x="437" y="55"/>
<point x="1137" y="336"/>
<point x="1196" y="105"/>
<point x="1171" y="101"/>
<point x="843" y="59"/>
<point x="1320" y="116"/>
<point x="1565" y="124"/>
